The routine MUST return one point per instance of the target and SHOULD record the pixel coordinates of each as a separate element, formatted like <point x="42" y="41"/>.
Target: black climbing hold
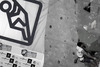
<point x="73" y="53"/>
<point x="75" y="1"/>
<point x="50" y="26"/>
<point x="88" y="8"/>
<point x="50" y="46"/>
<point x="61" y="18"/>
<point x="58" y="61"/>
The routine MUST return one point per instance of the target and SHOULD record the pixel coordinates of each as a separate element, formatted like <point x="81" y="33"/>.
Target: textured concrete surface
<point x="66" y="19"/>
<point x="61" y="34"/>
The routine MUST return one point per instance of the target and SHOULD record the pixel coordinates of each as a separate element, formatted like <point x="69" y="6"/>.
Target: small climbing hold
<point x="73" y="53"/>
<point x="61" y="18"/>
<point x="85" y="27"/>
<point x="50" y="46"/>
<point x="93" y="24"/>
<point x="50" y="26"/>
<point x="58" y="61"/>
<point x="75" y="1"/>
<point x="88" y="8"/>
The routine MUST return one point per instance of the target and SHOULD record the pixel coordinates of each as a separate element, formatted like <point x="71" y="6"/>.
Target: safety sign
<point x="17" y="23"/>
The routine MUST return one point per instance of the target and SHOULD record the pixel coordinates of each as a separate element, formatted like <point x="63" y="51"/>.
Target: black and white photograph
<point x="49" y="33"/>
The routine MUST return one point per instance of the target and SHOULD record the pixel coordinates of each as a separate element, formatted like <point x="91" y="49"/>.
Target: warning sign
<point x="19" y="20"/>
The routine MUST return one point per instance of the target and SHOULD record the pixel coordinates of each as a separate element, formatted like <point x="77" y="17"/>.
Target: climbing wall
<point x="88" y="20"/>
<point x="61" y="34"/>
<point x="68" y="21"/>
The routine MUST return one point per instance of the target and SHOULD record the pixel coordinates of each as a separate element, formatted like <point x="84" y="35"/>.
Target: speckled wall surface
<point x="61" y="34"/>
<point x="65" y="24"/>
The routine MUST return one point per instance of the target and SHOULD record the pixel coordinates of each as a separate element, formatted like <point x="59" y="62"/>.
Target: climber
<point x="83" y="55"/>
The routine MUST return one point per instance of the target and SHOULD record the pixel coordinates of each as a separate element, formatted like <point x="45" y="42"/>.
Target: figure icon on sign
<point x="13" y="13"/>
<point x="16" y="14"/>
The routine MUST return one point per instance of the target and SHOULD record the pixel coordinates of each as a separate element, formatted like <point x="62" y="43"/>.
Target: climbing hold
<point x="88" y="8"/>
